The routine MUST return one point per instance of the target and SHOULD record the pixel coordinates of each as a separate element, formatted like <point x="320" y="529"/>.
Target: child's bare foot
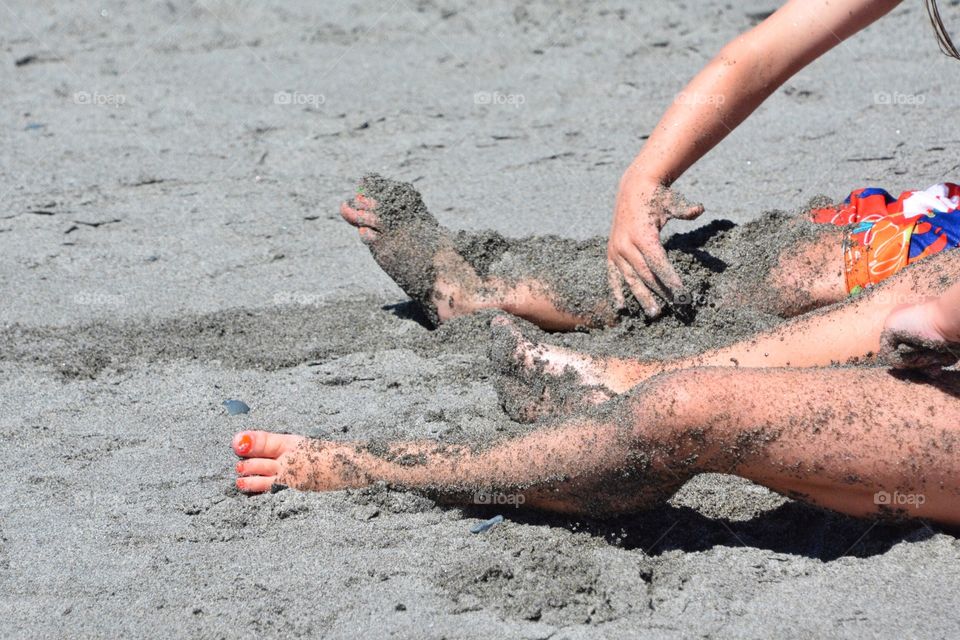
<point x="414" y="250"/>
<point x="271" y="460"/>
<point x="542" y="380"/>
<point x="423" y="258"/>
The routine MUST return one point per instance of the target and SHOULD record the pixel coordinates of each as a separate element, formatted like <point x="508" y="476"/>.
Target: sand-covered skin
<point x="733" y="274"/>
<point x="184" y="247"/>
<point x="901" y="349"/>
<point x="409" y="243"/>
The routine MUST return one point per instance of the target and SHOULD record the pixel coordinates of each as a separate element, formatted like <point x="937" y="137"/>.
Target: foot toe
<point x="255" y="484"/>
<point x="258" y="467"/>
<point x="263" y="444"/>
<point x="364" y="202"/>
<point x="368" y="235"/>
<point x="348" y="213"/>
<point x="359" y="217"/>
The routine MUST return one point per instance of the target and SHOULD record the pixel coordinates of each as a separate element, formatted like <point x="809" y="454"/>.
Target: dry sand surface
<point x="169" y="239"/>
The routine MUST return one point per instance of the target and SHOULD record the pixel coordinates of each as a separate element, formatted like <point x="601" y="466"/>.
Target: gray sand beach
<point x="170" y="239"/>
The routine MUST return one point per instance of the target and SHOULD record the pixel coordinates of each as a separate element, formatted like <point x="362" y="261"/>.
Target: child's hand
<point x="634" y="251"/>
<point x="911" y="339"/>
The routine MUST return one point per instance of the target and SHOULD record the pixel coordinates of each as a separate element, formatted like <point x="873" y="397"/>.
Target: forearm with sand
<point x="738" y="80"/>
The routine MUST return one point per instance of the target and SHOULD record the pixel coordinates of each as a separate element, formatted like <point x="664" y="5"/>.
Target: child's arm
<point x="720" y="97"/>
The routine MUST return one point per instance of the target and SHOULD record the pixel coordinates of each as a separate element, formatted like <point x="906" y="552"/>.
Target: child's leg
<point x="837" y="334"/>
<point x="807" y="275"/>
<point x="429" y="264"/>
<point x="832" y="437"/>
<point x="561" y="284"/>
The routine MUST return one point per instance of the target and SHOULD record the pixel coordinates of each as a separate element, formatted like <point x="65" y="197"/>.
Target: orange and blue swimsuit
<point x="886" y="234"/>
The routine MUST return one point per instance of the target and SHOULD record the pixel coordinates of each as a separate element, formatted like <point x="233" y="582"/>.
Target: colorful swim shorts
<point x="886" y="233"/>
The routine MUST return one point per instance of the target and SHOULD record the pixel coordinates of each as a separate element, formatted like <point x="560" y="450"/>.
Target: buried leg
<point x="860" y="441"/>
<point x="781" y="264"/>
<point x="806" y="271"/>
<point x="423" y="259"/>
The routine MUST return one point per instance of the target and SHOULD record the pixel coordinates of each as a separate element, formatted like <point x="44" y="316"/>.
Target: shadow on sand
<point x="793" y="528"/>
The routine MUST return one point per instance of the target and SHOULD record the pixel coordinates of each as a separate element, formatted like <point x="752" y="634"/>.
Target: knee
<point x="666" y="395"/>
<point x="685" y="417"/>
<point x="678" y="402"/>
<point x="672" y="418"/>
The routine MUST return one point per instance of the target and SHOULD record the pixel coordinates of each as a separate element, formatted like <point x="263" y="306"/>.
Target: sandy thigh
<point x="836" y="437"/>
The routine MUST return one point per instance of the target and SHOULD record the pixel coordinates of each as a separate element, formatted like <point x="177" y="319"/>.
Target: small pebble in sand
<point x="486" y="525"/>
<point x="236" y="407"/>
